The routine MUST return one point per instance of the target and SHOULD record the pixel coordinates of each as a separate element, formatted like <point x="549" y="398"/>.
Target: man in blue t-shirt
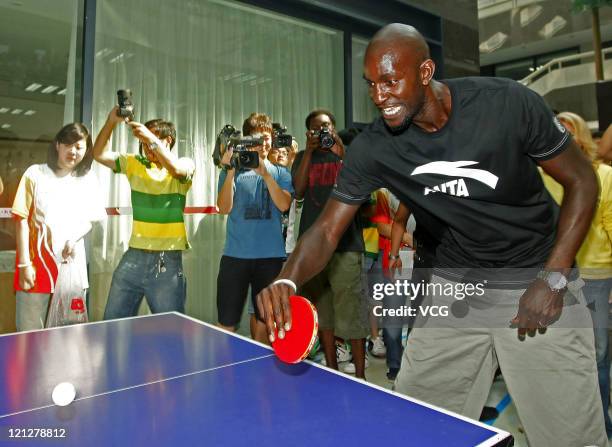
<point x="254" y="249"/>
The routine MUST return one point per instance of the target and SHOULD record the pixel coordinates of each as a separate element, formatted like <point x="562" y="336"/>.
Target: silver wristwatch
<point x="153" y="146"/>
<point x="556" y="280"/>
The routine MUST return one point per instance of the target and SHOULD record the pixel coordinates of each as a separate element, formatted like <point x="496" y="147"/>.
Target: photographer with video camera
<point x="254" y="193"/>
<point x="152" y="267"/>
<point x="336" y="291"/>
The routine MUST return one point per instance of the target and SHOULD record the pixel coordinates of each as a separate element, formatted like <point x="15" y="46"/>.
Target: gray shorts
<point x="552" y="377"/>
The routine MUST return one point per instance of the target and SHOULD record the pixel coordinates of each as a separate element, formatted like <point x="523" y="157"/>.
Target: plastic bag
<point x="68" y="301"/>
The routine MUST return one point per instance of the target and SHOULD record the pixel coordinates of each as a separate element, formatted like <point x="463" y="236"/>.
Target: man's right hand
<point x="227" y="158"/>
<point x="27" y="277"/>
<point x="395" y="267"/>
<point x="114" y="118"/>
<point x="312" y="141"/>
<point x="274" y="309"/>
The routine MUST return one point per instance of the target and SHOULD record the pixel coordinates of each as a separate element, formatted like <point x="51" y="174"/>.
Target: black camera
<point x="126" y="106"/>
<point x="280" y="137"/>
<point x="242" y="158"/>
<point x="326" y="139"/>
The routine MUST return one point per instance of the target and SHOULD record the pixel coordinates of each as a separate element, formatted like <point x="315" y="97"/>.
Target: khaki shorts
<point x="337" y="295"/>
<point x="551" y="377"/>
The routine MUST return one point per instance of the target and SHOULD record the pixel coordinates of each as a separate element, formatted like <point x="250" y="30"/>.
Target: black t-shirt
<point x="324" y="169"/>
<point x="473" y="185"/>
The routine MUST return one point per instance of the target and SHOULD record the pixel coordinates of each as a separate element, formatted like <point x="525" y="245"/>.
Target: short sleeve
<point x="382" y="213"/>
<point x="284" y="179"/>
<point x="25" y="194"/>
<point x="606" y="199"/>
<point x="358" y="176"/>
<point x="95" y="204"/>
<point x="543" y="135"/>
<point x="121" y="164"/>
<point x="296" y="163"/>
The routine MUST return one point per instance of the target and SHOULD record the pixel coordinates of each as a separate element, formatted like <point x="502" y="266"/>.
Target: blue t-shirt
<point x="254" y="229"/>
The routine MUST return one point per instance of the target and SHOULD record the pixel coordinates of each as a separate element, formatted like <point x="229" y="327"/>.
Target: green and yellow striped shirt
<point x="158" y="201"/>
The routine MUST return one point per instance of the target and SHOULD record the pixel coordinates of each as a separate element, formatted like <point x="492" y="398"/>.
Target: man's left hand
<point x="141" y="132"/>
<point x="539" y="307"/>
<point x="261" y="169"/>
<point x="337" y="148"/>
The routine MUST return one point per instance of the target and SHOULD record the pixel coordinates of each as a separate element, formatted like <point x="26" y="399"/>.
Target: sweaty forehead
<point x="385" y="59"/>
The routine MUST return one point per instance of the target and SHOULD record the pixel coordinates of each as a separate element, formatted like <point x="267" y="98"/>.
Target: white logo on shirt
<point x="454" y="188"/>
<point x="455" y="169"/>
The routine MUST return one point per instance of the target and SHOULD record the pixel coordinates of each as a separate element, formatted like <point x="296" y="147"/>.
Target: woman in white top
<point x="54" y="208"/>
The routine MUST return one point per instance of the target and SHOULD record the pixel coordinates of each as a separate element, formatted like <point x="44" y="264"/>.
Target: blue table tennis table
<point x="170" y="380"/>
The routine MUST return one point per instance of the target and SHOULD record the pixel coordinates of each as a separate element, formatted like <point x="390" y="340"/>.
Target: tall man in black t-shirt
<point x="336" y="290"/>
<point x="463" y="154"/>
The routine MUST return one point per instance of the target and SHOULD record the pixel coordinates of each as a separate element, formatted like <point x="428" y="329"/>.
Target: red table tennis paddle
<point x="301" y="338"/>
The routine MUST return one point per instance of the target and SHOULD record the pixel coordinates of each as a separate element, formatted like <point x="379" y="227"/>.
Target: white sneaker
<point x="343" y="352"/>
<point x="378" y="348"/>
<point x="349" y="367"/>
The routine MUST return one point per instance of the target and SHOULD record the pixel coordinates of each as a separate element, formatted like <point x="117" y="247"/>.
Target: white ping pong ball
<point x="63" y="394"/>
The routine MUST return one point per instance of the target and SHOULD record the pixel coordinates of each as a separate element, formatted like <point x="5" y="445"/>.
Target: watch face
<point x="556" y="280"/>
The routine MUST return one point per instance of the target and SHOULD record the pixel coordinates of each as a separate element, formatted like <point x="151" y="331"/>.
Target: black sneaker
<point x="392" y="374"/>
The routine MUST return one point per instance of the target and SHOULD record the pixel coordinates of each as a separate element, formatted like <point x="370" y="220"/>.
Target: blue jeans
<point x="392" y="327"/>
<point x="158" y="276"/>
<point x="596" y="292"/>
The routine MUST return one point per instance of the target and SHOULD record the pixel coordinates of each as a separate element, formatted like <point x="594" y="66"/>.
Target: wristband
<point x="393" y="257"/>
<point x="24" y="265"/>
<point x="287" y="282"/>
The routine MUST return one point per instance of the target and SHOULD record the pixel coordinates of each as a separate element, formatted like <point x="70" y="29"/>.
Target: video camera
<point x="280" y="137"/>
<point x="126" y="106"/>
<point x="242" y="158"/>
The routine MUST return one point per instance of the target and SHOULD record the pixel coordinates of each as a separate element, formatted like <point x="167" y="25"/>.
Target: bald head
<point x="398" y="71"/>
<point x="400" y="37"/>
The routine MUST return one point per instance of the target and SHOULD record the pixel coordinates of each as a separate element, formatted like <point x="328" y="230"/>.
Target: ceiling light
<point x="49" y="89"/>
<point x="62" y="92"/>
<point x="33" y="87"/>
<point x="4" y="109"/>
<point x="16" y="111"/>
<point x="6" y="126"/>
<point x="29" y="112"/>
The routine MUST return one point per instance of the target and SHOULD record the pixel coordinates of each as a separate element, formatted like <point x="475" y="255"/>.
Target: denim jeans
<point x="596" y="292"/>
<point x="392" y="327"/>
<point x="158" y="276"/>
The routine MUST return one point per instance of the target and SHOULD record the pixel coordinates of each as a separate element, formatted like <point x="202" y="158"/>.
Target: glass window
<point x="38" y="78"/>
<point x="364" y="110"/>
<point x="203" y="64"/>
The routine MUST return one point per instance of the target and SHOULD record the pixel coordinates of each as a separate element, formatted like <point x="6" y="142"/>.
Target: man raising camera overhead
<point x="152" y="267"/>
<point x="254" y="249"/>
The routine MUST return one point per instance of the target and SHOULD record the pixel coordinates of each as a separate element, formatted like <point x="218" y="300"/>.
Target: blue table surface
<point x="169" y="380"/>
